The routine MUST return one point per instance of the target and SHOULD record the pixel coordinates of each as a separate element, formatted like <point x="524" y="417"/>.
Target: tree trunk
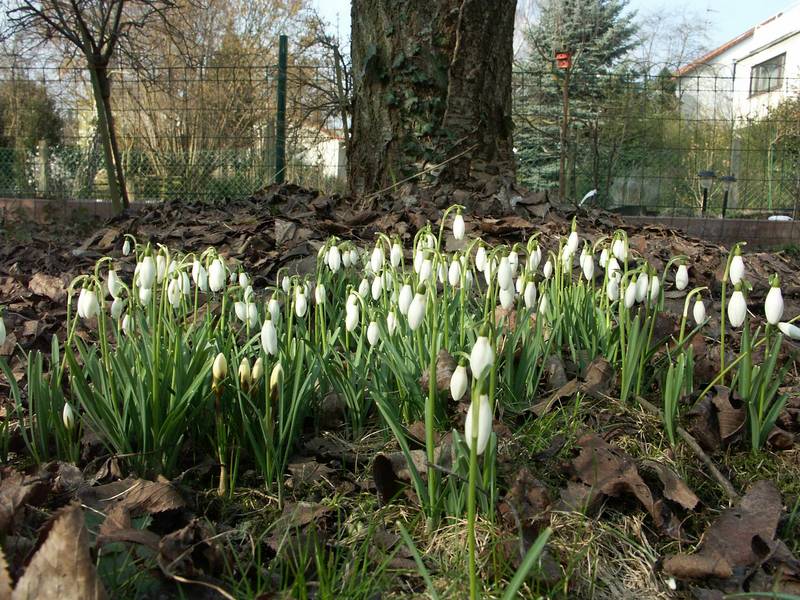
<point x="432" y="93"/>
<point x="105" y="90"/>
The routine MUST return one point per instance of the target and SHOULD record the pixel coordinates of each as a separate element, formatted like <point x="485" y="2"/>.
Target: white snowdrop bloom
<point x="505" y="279"/>
<point x="186" y="286"/>
<point x="117" y="306"/>
<point x="480" y="258"/>
<point x="126" y="247"/>
<point x="481" y="357"/>
<point x="458" y="382"/>
<point x="363" y="288"/>
<point x="174" y="293"/>
<point x="285" y="284"/>
<point x="619" y="248"/>
<point x="351" y="319"/>
<point x="319" y="294"/>
<point x="353" y="257"/>
<point x="431" y="240"/>
<point x="519" y="284"/>
<point x="642" y="282"/>
<point x="425" y="270"/>
<point x="269" y="338"/>
<point x="68" y="416"/>
<point x="127" y="324"/>
<point x="603" y="261"/>
<point x="454" y="274"/>
<point x="612" y="289"/>
<point x="572" y="242"/>
<point x="240" y="310"/>
<point x="513" y="262"/>
<point x="655" y="288"/>
<point x="544" y="304"/>
<point x="344" y="260"/>
<point x="300" y="303"/>
<point x="274" y="308"/>
<point x="790" y="330"/>
<point x="161" y="267"/>
<point x="233" y="278"/>
<point x="147" y="272"/>
<point x="419" y="256"/>
<point x="396" y="255"/>
<point x="377" y="258"/>
<point x="114" y="284"/>
<point x="216" y="275"/>
<point x="248" y="293"/>
<point x="377" y="287"/>
<point x="737" y="309"/>
<point x="244" y="280"/>
<point x="534" y="258"/>
<point x="373" y="333"/>
<point x="699" y="311"/>
<point x="391" y="323"/>
<point x="88" y="305"/>
<point x="630" y="294"/>
<point x="547" y="270"/>
<point x="458" y="227"/>
<point x="252" y="314"/>
<point x="335" y="259"/>
<point x="200" y="276"/>
<point x="468" y="280"/>
<point x="612" y="266"/>
<point x="736" y="271"/>
<point x="416" y="312"/>
<point x="588" y="267"/>
<point x="145" y="294"/>
<point x="681" y="277"/>
<point x="506" y="298"/>
<point x="773" y="304"/>
<point x="405" y="298"/>
<point x="484" y="425"/>
<point x="566" y="259"/>
<point x="530" y="295"/>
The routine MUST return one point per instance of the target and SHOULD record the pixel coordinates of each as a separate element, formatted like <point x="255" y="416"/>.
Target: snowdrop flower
<point x="258" y="371"/>
<point x="252" y="314"/>
<point x="603" y="258"/>
<point x="285" y="284"/>
<point x="88" y="306"/>
<point x="363" y="288"/>
<point x="619" y="248"/>
<point x="458" y="382"/>
<point x="519" y="284"/>
<point x="233" y="278"/>
<point x="274" y="308"/>
<point x="612" y="289"/>
<point x="391" y="322"/>
<point x="377" y="258"/>
<point x="481" y="358"/>
<point x="588" y="267"/>
<point x="174" y="293"/>
<point x="547" y="270"/>
<point x="425" y="270"/>
<point x="68" y="416"/>
<point x="269" y="338"/>
<point x="2" y="330"/>
<point x="736" y="270"/>
<point x="484" y="425"/>
<point x="480" y="258"/>
<point x="655" y="287"/>
<point x="145" y="294"/>
<point x="642" y="281"/>
<point x="147" y="272"/>
<point x="504" y="276"/>
<point x="219" y="369"/>
<point x="506" y="298"/>
<point x="353" y="256"/>
<point x="351" y="317"/>
<point x="572" y="242"/>
<point x="773" y="304"/>
<point x="513" y="262"/>
<point x="345" y="259"/>
<point x="335" y="259"/>
<point x="186" y="287"/>
<point x="416" y="312"/>
<point x="442" y="272"/>
<point x="630" y="294"/>
<point x="377" y="287"/>
<point x="682" y="277"/>
<point x="200" y="276"/>
<point x="458" y="226"/>
<point x="216" y="275"/>
<point x="737" y="308"/>
<point x="454" y="273"/>
<point x="114" y="284"/>
<point x="534" y="258"/>
<point x="245" y="377"/>
<point x="544" y="304"/>
<point x="489" y="269"/>
<point x="612" y="266"/>
<point x="244" y="280"/>
<point x="373" y="333"/>
<point x="530" y="295"/>
<point x="319" y="294"/>
<point x="161" y="267"/>
<point x="395" y="255"/>
<point x="117" y="306"/>
<point x="789" y="330"/>
<point x="241" y="311"/>
<point x="300" y="303"/>
<point x="126" y="247"/>
<point x="127" y="324"/>
<point x="699" y="310"/>
<point x="404" y="300"/>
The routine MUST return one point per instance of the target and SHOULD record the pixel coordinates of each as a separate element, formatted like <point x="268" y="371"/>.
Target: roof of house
<point x="706" y="58"/>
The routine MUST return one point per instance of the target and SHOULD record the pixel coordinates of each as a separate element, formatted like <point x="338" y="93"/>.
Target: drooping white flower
<point x="245" y="372"/>
<point x="572" y="242"/>
<point x="416" y="312"/>
<point x="519" y="284"/>
<point x="405" y="298"/>
<point x="114" y="284"/>
<point x="544" y="304"/>
<point x="377" y="258"/>
<point x="682" y="277"/>
<point x="619" y="248"/>
<point x="200" y="276"/>
<point x="396" y="255"/>
<point x="232" y="278"/>
<point x="147" y="272"/>
<point x="737" y="309"/>
<point x="219" y="369"/>
<point x="506" y="298"/>
<point x="351" y="317"/>
<point x="252" y="314"/>
<point x="241" y="311"/>
<point x="174" y="293"/>
<point x="642" y="282"/>
<point x="216" y="275"/>
<point x="588" y="267"/>
<point x="126" y="247"/>
<point x="161" y="267"/>
<point x="68" y="416"/>
<point x="612" y="266"/>
<point x="244" y="280"/>
<point x="547" y="270"/>
<point x="274" y="308"/>
<point x="127" y="324"/>
<point x="353" y="256"/>
<point x="484" y="425"/>
<point x="89" y="307"/>
<point x="773" y="304"/>
<point x="530" y="295"/>
<point x="699" y="311"/>
<point x="145" y="294"/>
<point x="534" y="258"/>
<point x="377" y="287"/>
<point x="300" y="303"/>
<point x="458" y="227"/>
<point x="335" y="259"/>
<point x="269" y="338"/>
<point x="480" y="258"/>
<point x="736" y="271"/>
<point x="391" y="322"/>
<point x="2" y="330"/>
<point x="286" y="284"/>
<point x="454" y="274"/>
<point x="319" y="294"/>
<point x="505" y="278"/>
<point x="790" y="330"/>
<point x="117" y="306"/>
<point x="630" y="294"/>
<point x="603" y="258"/>
<point x="186" y="286"/>
<point x="481" y="358"/>
<point x="363" y="288"/>
<point x="655" y="287"/>
<point x="612" y="288"/>
<point x="458" y="382"/>
<point x="513" y="262"/>
<point x="425" y="270"/>
<point x="373" y="333"/>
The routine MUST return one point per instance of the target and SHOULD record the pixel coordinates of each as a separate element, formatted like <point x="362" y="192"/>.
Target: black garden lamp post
<point x="727" y="185"/>
<point x="706" y="179"/>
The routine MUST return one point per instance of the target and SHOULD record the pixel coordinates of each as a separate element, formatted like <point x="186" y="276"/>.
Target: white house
<point x="747" y="75"/>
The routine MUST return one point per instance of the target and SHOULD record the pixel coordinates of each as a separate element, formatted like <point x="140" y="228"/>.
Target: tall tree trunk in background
<point x="432" y="86"/>
<point x="105" y="90"/>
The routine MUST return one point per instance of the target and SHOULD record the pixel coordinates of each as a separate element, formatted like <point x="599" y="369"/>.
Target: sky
<point x="727" y="18"/>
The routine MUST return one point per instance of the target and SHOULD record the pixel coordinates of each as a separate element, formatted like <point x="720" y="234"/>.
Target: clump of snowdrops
<point x="191" y="358"/>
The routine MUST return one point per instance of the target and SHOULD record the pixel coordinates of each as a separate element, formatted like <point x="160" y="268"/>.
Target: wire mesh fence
<point x="207" y="131"/>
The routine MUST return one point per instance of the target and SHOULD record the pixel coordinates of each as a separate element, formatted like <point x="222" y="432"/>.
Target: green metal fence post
<point x="280" y="117"/>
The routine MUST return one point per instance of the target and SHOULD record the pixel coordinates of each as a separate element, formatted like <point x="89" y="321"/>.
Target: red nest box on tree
<point x="563" y="60"/>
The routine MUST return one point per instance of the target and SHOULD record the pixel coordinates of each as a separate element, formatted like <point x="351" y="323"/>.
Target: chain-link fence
<point x="194" y="132"/>
<point x="207" y="131"/>
<point x="643" y="141"/>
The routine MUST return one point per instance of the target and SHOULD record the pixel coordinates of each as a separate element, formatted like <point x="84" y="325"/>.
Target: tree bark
<point x="432" y="87"/>
<point x="104" y="84"/>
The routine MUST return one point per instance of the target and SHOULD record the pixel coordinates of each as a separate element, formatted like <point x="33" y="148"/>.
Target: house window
<point x="767" y="76"/>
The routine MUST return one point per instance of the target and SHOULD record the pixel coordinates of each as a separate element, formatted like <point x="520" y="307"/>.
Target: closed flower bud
<point x="147" y="272"/>
<point x="244" y="280"/>
<point x="219" y="369"/>
<point x="127" y="324"/>
<point x="682" y="277"/>
<point x="117" y="306"/>
<point x="391" y="323"/>
<point x="736" y="271"/>
<point x="145" y="294"/>
<point x="588" y="267"/>
<point x="612" y="289"/>
<point x="335" y="259"/>
<point x="630" y="294"/>
<point x="572" y="242"/>
<point x="319" y="294"/>
<point x="114" y="284"/>
<point x="376" y="260"/>
<point x="458" y="227"/>
<point x="513" y="262"/>
<point x="655" y="288"/>
<point x="351" y="318"/>
<point x="126" y="247"/>
<point x="481" y="358"/>
<point x="241" y="311"/>
<point x="353" y="256"/>
<point x="269" y="337"/>
<point x="699" y="311"/>
<point x="161" y="267"/>
<point x="216" y="275"/>
<point x="454" y="274"/>
<point x="547" y="270"/>
<point x="773" y="304"/>
<point x="68" y="417"/>
<point x="245" y="373"/>
<point x="174" y="293"/>
<point x="458" y="382"/>
<point x="396" y="255"/>
<point x="404" y="299"/>
<point x="737" y="309"/>
<point x="416" y="312"/>
<point x="363" y="288"/>
<point x="790" y="330"/>
<point x="285" y="284"/>
<point x="506" y="298"/>
<point x="377" y="287"/>
<point x="534" y="258"/>
<point x="373" y="333"/>
<point x="2" y="331"/>
<point x="274" y="308"/>
<point x="425" y="270"/>
<point x="529" y="295"/>
<point x="505" y="279"/>
<point x="544" y="304"/>
<point x="480" y="258"/>
<point x="275" y="378"/>
<point x="484" y="425"/>
<point x="642" y="282"/>
<point x="603" y="258"/>
<point x="300" y="303"/>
